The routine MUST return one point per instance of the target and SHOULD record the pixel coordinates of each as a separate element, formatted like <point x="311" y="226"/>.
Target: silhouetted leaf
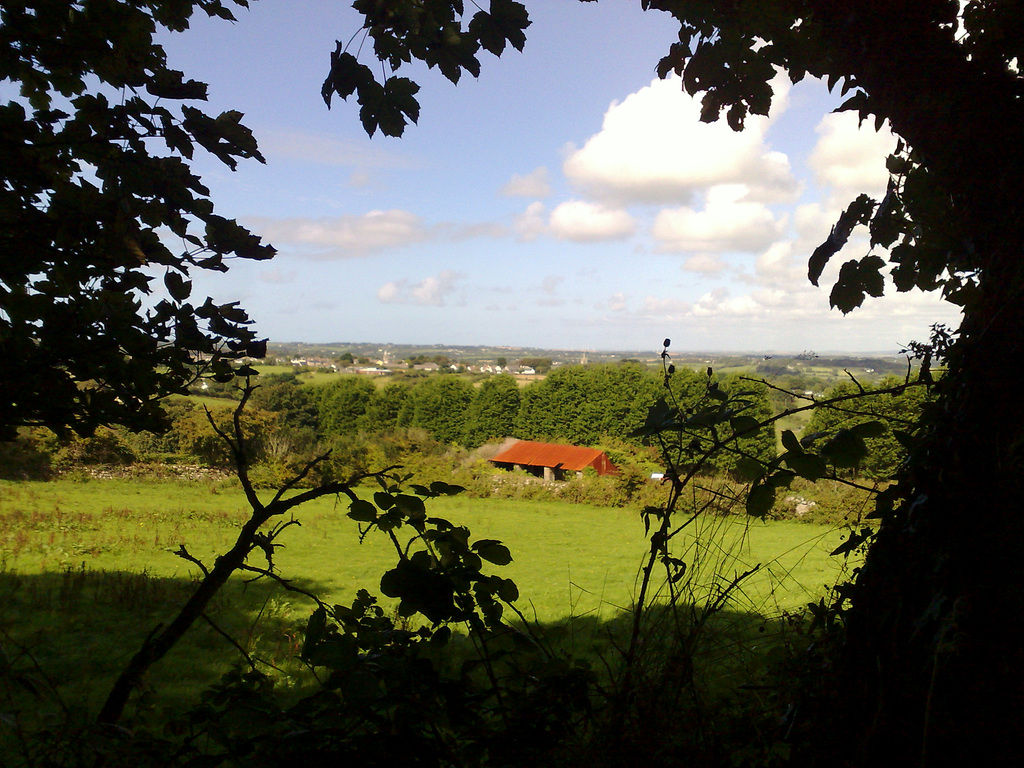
<point x="177" y="286"/>
<point x="362" y="511"/>
<point x="858" y="212"/>
<point x="790" y="442"/>
<point x="493" y="551"/>
<point x="760" y="500"/>
<point x="807" y="465"/>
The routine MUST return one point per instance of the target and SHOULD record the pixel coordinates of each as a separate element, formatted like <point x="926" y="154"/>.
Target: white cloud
<point x="431" y="291"/>
<point x="531" y="223"/>
<point x="664" y="309"/>
<point x="533" y="184"/>
<point x="726" y="224"/>
<point x="704" y="263"/>
<point x="719" y="302"/>
<point x="488" y="229"/>
<point x="325" y="149"/>
<point x="850" y="158"/>
<point x="582" y="221"/>
<point x="617" y="302"/>
<point x="777" y="263"/>
<point x="344" y="236"/>
<point x="653" y="148"/>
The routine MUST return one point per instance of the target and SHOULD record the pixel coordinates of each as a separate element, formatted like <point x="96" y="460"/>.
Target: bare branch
<point x="245" y="654"/>
<point x="854" y="380"/>
<point x="286" y="583"/>
<point x="185" y="555"/>
<point x="301" y="475"/>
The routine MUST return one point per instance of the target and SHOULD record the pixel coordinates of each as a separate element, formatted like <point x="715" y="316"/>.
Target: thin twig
<point x="185" y="555"/>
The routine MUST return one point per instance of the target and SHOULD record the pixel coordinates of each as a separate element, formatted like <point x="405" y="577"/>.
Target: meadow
<point x="87" y="569"/>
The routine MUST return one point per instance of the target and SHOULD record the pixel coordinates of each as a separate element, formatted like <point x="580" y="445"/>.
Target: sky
<point x="566" y="199"/>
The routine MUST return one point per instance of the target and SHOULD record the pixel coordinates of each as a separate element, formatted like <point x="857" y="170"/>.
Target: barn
<point x="553" y="461"/>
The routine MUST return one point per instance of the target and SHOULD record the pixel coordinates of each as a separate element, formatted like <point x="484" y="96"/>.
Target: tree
<point x="930" y="671"/>
<point x="381" y="414"/>
<point x="583" y="404"/>
<point x="286" y="397"/>
<point x="93" y="190"/>
<point x="438" y="405"/>
<point x="898" y="413"/>
<point x="342" y="403"/>
<point x="492" y="413"/>
<point x="539" y="364"/>
<point x="198" y="434"/>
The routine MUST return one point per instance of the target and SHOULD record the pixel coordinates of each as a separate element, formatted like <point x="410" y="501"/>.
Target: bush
<point x="823" y="502"/>
<point x="26" y="457"/>
<point x="106" y="446"/>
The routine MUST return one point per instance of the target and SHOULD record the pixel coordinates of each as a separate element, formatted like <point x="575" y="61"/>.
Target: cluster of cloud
<point x="732" y="208"/>
<point x="727" y="203"/>
<point x="432" y="291"/>
<point x="347" y="235"/>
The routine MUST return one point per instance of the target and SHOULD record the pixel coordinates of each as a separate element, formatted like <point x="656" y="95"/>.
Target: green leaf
<point x="807" y="465"/>
<point x="412" y="506"/>
<point x="508" y="591"/>
<point x="846" y="449"/>
<point x="445" y="489"/>
<point x="420" y="590"/>
<point x="760" y="500"/>
<point x="315" y="630"/>
<point x="383" y="500"/>
<point x="747" y="425"/>
<point x="749" y="469"/>
<point x="857" y="279"/>
<point x="345" y="76"/>
<point x="780" y="478"/>
<point x="790" y="442"/>
<point x="858" y="212"/>
<point x="362" y="511"/>
<point x="868" y="429"/>
<point x="493" y="551"/>
<point x="853" y="540"/>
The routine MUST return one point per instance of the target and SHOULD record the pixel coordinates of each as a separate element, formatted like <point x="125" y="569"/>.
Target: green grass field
<point x="87" y="569"/>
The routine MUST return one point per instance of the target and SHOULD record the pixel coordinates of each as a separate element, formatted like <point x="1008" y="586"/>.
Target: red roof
<point x="571" y="457"/>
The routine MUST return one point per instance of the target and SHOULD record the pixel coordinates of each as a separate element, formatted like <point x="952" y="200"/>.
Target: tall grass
<point x="88" y="568"/>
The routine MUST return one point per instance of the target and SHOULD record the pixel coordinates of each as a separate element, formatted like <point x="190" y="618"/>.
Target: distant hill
<point x="764" y="365"/>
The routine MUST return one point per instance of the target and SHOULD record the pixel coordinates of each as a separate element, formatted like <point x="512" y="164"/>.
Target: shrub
<point x="106" y="446"/>
<point x="26" y="457"/>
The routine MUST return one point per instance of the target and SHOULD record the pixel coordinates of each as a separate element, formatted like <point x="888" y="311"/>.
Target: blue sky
<point x="566" y="199"/>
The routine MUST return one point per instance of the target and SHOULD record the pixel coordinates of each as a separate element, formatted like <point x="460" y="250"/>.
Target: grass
<point x="87" y="569"/>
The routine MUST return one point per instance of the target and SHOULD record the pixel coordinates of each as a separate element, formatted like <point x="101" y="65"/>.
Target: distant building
<point x="553" y="461"/>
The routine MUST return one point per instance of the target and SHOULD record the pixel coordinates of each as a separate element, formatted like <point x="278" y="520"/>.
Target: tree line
<point x="603" y="405"/>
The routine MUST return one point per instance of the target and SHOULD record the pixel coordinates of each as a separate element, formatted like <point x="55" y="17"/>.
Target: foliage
<point x="341" y="403"/>
<point x="26" y="457"/>
<point x="430" y="32"/>
<point x="381" y="414"/>
<point x="286" y="397"/>
<point x="927" y="670"/>
<point x="197" y="434"/>
<point x="492" y="413"/>
<point x="541" y="365"/>
<point x="86" y="195"/>
<point x="105" y="446"/>
<point x="438" y="405"/>
<point x="582" y="404"/>
<point x="898" y="411"/>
